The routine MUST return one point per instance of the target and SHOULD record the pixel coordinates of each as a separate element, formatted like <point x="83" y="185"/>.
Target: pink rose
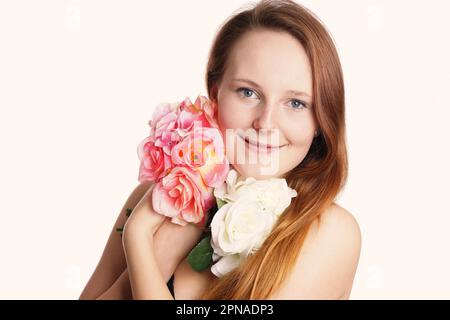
<point x="164" y="126"/>
<point x="183" y="196"/>
<point x="185" y="155"/>
<point x="203" y="150"/>
<point x="154" y="162"/>
<point x="202" y="111"/>
<point x="172" y="121"/>
<point x="210" y="109"/>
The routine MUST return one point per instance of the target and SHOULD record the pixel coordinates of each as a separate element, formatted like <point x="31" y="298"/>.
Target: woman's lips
<point x="260" y="147"/>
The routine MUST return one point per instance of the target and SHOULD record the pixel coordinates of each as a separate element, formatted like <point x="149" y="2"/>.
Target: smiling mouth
<point x="261" y="146"/>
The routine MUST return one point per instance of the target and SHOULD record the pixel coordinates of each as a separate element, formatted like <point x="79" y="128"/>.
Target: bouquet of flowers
<point x="248" y="209"/>
<point x="185" y="155"/>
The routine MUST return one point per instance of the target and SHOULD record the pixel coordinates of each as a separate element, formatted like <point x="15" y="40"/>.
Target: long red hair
<point x="323" y="172"/>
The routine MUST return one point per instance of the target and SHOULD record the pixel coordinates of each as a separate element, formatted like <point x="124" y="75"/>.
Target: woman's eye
<point x="246" y="91"/>
<point x="298" y="105"/>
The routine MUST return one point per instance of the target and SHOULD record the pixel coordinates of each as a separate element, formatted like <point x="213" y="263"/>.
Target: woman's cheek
<point x="228" y="115"/>
<point x="300" y="140"/>
<point x="299" y="130"/>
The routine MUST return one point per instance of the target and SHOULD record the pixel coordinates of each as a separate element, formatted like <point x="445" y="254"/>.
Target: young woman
<point x="272" y="69"/>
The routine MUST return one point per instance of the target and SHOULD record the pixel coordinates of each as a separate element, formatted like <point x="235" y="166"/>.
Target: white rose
<point x="251" y="210"/>
<point x="274" y="194"/>
<point x="237" y="227"/>
<point x="227" y="191"/>
<point x="237" y="230"/>
<point x="226" y="264"/>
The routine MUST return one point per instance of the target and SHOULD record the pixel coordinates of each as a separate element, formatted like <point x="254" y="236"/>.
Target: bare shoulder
<point x="328" y="261"/>
<point x="337" y="223"/>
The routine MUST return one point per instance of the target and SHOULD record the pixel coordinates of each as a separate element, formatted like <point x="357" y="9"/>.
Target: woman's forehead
<point x="279" y="59"/>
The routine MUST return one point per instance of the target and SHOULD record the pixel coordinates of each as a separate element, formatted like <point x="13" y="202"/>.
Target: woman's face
<point x="264" y="104"/>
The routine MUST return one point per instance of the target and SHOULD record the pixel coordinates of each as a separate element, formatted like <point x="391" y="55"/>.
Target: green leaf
<point x="220" y="202"/>
<point x="200" y="256"/>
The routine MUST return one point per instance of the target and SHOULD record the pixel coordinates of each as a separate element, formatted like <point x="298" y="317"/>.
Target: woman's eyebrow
<point x="295" y="92"/>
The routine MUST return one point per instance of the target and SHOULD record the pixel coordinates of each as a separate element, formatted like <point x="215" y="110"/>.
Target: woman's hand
<point x="143" y="219"/>
<point x="154" y="247"/>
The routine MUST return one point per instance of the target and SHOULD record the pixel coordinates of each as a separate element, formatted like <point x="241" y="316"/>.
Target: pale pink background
<point x="79" y="80"/>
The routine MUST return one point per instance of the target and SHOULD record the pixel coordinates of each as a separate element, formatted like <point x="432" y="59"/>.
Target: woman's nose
<point x="266" y="118"/>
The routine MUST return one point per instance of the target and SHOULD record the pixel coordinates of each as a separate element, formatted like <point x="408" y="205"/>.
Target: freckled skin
<point x="277" y="62"/>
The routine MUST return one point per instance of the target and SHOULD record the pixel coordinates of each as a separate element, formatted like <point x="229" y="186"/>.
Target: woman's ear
<point x="316" y="133"/>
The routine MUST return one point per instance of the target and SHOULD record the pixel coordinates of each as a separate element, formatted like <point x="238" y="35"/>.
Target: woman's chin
<point x="257" y="171"/>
